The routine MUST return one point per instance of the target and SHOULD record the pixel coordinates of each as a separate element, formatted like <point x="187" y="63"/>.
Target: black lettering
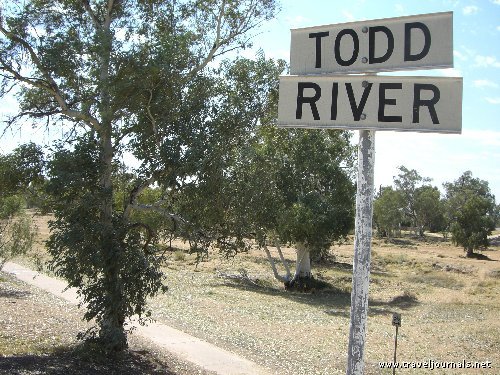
<point x="318" y="37"/>
<point x="383" y="101"/>
<point x="335" y="96"/>
<point x="427" y="41"/>
<point x="355" y="49"/>
<point x="357" y="110"/>
<point x="311" y="100"/>
<point x="429" y="103"/>
<point x="390" y="44"/>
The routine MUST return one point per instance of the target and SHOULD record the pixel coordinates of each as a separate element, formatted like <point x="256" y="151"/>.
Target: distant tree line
<point x="467" y="209"/>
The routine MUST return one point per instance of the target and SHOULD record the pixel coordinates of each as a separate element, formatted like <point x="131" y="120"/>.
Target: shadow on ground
<point x="68" y="361"/>
<point x="332" y="299"/>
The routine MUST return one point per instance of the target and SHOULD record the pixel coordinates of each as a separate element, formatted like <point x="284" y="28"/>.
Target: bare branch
<point x="216" y="45"/>
<point x="160" y="210"/>
<point x="91" y="13"/>
<point x="48" y="84"/>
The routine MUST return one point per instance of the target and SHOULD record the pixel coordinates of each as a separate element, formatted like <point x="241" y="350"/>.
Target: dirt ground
<point x="449" y="307"/>
<point x="38" y="336"/>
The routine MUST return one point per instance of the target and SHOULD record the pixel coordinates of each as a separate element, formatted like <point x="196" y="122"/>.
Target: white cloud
<point x="459" y="55"/>
<point x="497" y="2"/>
<point x="400" y="9"/>
<point x="348" y="16"/>
<point x="450" y="72"/>
<point x="493" y="100"/>
<point x="470" y="9"/>
<point x="481" y="83"/>
<point x="483" y="137"/>
<point x="297" y="21"/>
<point x="487" y="61"/>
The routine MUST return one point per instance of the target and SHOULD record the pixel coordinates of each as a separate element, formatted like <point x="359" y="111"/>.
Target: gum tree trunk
<point x="303" y="266"/>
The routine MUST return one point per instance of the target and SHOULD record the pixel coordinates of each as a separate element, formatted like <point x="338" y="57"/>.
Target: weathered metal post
<point x="362" y="252"/>
<point x="396" y="321"/>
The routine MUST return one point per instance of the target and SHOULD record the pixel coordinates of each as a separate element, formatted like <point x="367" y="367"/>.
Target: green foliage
<point x="412" y="202"/>
<point x="10" y="206"/>
<point x="133" y="77"/>
<point x="222" y="196"/>
<point x="314" y="180"/>
<point x="409" y="182"/>
<point x="472" y="212"/>
<point x="429" y="209"/>
<point x="298" y="186"/>
<point x="17" y="236"/>
<point x="20" y="169"/>
<point x="388" y="211"/>
<point x="116" y="274"/>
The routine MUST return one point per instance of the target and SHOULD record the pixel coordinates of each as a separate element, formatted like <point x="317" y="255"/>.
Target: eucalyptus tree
<point x="20" y="172"/>
<point x="430" y="209"/>
<point x="314" y="177"/>
<point x="472" y="212"/>
<point x="409" y="183"/>
<point x="121" y="76"/>
<point x="388" y="211"/>
<point x="300" y="192"/>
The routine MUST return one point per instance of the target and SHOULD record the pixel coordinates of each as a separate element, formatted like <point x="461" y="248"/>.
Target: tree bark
<point x="303" y="266"/>
<point x="276" y="274"/>
<point x="283" y="260"/>
<point x="112" y="331"/>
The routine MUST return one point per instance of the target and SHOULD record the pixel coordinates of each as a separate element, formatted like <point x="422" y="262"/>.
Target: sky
<point x="476" y="51"/>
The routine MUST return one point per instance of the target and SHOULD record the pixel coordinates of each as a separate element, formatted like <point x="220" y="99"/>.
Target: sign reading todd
<point x="403" y="43"/>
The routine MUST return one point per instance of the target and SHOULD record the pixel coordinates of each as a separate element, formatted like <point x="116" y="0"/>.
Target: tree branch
<point x="160" y="210"/>
<point x="47" y="84"/>
<point x="91" y="13"/>
<point x="134" y="194"/>
<point x="216" y="45"/>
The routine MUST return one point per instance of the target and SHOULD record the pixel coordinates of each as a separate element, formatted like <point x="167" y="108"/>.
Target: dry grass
<point x="449" y="306"/>
<point x="38" y="336"/>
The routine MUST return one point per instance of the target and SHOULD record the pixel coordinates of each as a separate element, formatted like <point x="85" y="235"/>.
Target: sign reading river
<point x="423" y="104"/>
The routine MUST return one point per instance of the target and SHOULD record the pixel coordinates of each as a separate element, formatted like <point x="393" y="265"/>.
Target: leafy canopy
<point x="472" y="211"/>
<point x="116" y="77"/>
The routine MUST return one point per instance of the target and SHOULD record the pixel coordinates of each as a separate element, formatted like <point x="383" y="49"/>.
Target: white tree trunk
<point x="277" y="276"/>
<point x="303" y="267"/>
<point x="283" y="260"/>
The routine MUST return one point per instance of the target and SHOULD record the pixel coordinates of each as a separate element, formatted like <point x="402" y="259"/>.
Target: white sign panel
<point x="422" y="104"/>
<point x="414" y="42"/>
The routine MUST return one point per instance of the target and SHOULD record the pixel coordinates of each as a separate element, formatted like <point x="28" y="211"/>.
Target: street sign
<point x="419" y="104"/>
<point x="403" y="43"/>
<point x="310" y="99"/>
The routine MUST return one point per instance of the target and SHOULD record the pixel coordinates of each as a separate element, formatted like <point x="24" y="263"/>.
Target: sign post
<point x="318" y="97"/>
<point x="362" y="252"/>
